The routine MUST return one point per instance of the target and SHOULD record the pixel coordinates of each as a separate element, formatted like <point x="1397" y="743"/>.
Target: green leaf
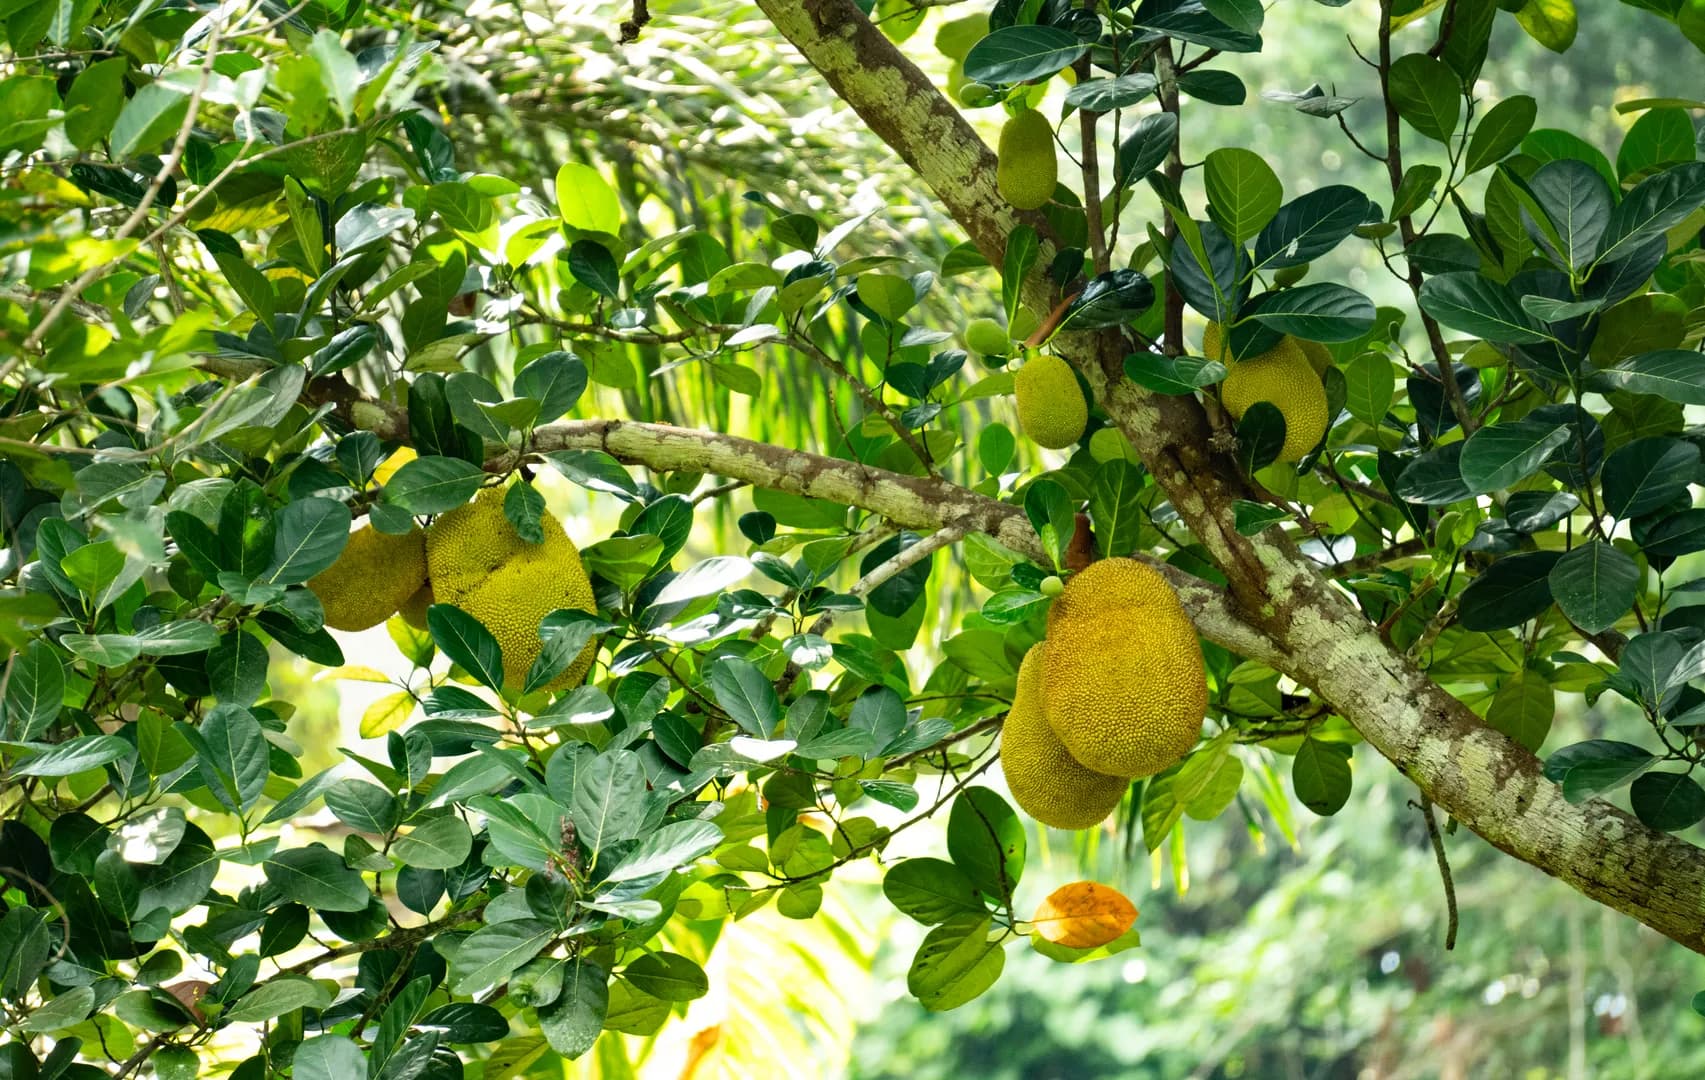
<point x="277" y="996"/>
<point x="1523" y="708"/>
<point x="1576" y="202"/>
<point x="440" y="844"/>
<point x="1503" y="455"/>
<point x="1243" y="191"/>
<point x="328" y="1057"/>
<point x="1595" y="584"/>
<point x="1115" y="507"/>
<point x="1674" y="374"/>
<point x="465" y="640"/>
<point x="931" y="890"/>
<point x="1500" y="131"/>
<point x="1667" y="801"/>
<point x="594" y="267"/>
<point x="153" y="114"/>
<point x="1318" y="312"/>
<point x="957" y="961"/>
<point x="586" y="201"/>
<point x="1370" y="386"/>
<point x="609" y="799"/>
<point x="1252" y="518"/>
<point x="35" y="691"/>
<point x="310" y="535"/>
<point x="1309" y="226"/>
<point x="744" y="693"/>
<point x="461" y="1022"/>
<point x="491" y="954"/>
<point x="316" y="876"/>
<point x="177" y="638"/>
<point x="1427" y="94"/>
<point x="1260" y="436"/>
<point x="1468" y="301"/>
<point x="233" y="755"/>
<point x="73" y="756"/>
<point x="1321" y="775"/>
<point x="1053" y="514"/>
<point x="1148" y="144"/>
<point x="1656" y="205"/>
<point x="1022" y="248"/>
<point x="433" y="485"/>
<point x="572" y="1023"/>
<point x="669" y="848"/>
<point x="1106" y="95"/>
<point x="340" y="74"/>
<point x="1593" y="767"/>
<point x="1552" y="23"/>
<point x="1016" y="54"/>
<point x="1509" y="592"/>
<point x="555" y="380"/>
<point x="236" y="668"/>
<point x="1647" y="474"/>
<point x="1173" y="375"/>
<point x="985" y="839"/>
<point x="94" y="102"/>
<point x="668" y="976"/>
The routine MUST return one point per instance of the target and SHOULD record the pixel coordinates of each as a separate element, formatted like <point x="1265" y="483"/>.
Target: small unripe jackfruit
<point x="414" y="608"/>
<point x="1123" y="684"/>
<point x="373" y="577"/>
<point x="480" y="564"/>
<point x="1282" y="376"/>
<point x="1045" y="780"/>
<point x="1051" y="408"/>
<point x="986" y="337"/>
<point x="1028" y="169"/>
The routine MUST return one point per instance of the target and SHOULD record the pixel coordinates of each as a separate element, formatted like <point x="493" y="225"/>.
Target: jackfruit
<point x="373" y="577"/>
<point x="986" y="337"/>
<point x="414" y="608"/>
<point x="1027" y="169"/>
<point x="1123" y="684"/>
<point x="956" y="36"/>
<point x="1281" y="376"/>
<point x="1045" y="780"/>
<point x="1319" y="356"/>
<point x="480" y="564"/>
<point x="1051" y="408"/>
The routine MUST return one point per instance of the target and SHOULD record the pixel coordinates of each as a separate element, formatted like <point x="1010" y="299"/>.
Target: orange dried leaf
<point x="1084" y="915"/>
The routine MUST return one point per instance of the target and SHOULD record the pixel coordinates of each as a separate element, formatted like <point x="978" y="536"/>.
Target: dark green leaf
<point x="1503" y="455"/>
<point x="1647" y="474"/>
<point x="1509" y="592"/>
<point x="317" y="877"/>
<point x="986" y="841"/>
<point x="1667" y="801"/>
<point x="1172" y="374"/>
<point x="1468" y="301"/>
<point x="1016" y="54"/>
<point x="1595" y="585"/>
<point x="467" y="642"/>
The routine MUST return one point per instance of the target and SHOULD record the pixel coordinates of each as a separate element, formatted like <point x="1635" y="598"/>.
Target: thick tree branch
<point x="1485" y="780"/>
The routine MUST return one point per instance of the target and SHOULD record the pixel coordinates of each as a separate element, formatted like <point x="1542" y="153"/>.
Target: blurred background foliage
<point x="1263" y="957"/>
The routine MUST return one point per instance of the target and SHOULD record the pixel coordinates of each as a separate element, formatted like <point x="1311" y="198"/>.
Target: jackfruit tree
<point x="335" y="339"/>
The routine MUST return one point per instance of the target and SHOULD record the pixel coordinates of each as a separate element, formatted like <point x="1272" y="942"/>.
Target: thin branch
<point x="1426" y="808"/>
<point x="1373" y="560"/>
<point x="873" y="402"/>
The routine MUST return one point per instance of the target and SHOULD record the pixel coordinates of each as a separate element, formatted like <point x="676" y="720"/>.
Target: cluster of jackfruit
<point x="1287" y="376"/>
<point x="1026" y="169"/>
<point x="471" y="557"/>
<point x="1115" y="693"/>
<point x="1051" y="408"/>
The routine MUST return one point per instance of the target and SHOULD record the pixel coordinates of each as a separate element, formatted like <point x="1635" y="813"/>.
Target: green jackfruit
<point x="480" y="564"/>
<point x="1281" y="376"/>
<point x="1045" y="780"/>
<point x="373" y="577"/>
<point x="414" y="608"/>
<point x="1051" y="408"/>
<point x="986" y="337"/>
<point x="1028" y="169"/>
<point x="1123" y="684"/>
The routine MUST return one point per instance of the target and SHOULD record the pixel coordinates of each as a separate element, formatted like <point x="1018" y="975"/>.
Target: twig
<point x="632" y="27"/>
<point x="1426" y="808"/>
<point x="1373" y="560"/>
<point x="872" y="401"/>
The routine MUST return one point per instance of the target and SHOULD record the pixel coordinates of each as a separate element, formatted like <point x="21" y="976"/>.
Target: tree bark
<point x="1485" y="780"/>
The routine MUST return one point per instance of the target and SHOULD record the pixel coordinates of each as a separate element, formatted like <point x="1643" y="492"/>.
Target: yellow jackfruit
<point x="414" y="608"/>
<point x="1027" y="170"/>
<point x="1045" y="780"/>
<point x="986" y="337"/>
<point x="480" y="564"/>
<point x="373" y="577"/>
<point x="956" y="36"/>
<point x="1123" y="684"/>
<point x="1281" y="376"/>
<point x="1319" y="356"/>
<point x="1051" y="408"/>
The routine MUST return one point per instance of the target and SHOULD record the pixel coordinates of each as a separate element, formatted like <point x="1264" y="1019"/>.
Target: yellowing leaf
<point x="387" y="468"/>
<point x="1084" y="915"/>
<point x="386" y="714"/>
<point x="356" y="673"/>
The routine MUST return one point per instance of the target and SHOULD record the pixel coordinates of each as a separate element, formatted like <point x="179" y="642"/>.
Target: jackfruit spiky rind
<point x="374" y="576"/>
<point x="1123" y="684"/>
<point x="480" y="564"/>
<point x="1051" y="409"/>
<point x="414" y="608"/>
<point x="1027" y="169"/>
<point x="1283" y="377"/>
<point x="1319" y="356"/>
<point x="1045" y="780"/>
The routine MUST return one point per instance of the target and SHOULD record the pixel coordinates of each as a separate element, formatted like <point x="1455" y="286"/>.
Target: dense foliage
<point x="248" y="258"/>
